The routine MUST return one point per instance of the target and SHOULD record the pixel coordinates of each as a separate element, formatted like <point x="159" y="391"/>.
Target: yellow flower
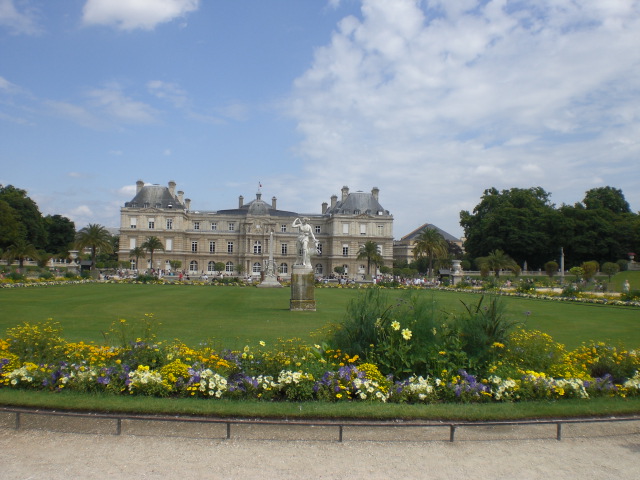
<point x="406" y="334"/>
<point x="395" y="325"/>
<point x="262" y="344"/>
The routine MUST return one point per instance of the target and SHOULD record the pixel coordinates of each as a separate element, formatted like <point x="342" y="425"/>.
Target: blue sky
<point x="431" y="101"/>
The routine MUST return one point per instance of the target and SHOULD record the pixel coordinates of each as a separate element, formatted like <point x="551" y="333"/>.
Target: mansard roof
<point x="358" y="203"/>
<point x="156" y="196"/>
<point x="258" y="207"/>
<point x="415" y="233"/>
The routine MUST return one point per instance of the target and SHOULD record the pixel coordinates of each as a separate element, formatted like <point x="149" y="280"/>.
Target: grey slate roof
<point x="258" y="207"/>
<point x="155" y="196"/>
<point x="358" y="203"/>
<point x="419" y="230"/>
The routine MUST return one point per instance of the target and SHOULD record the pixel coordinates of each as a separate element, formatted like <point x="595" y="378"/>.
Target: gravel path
<point x="44" y="450"/>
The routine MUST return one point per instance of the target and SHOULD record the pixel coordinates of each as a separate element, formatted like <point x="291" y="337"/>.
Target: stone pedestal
<point x="302" y="289"/>
<point x="270" y="281"/>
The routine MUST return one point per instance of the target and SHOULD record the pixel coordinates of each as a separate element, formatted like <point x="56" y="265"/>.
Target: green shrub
<point x="16" y="277"/>
<point x="631" y="296"/>
<point x="46" y="275"/>
<point x="479" y="328"/>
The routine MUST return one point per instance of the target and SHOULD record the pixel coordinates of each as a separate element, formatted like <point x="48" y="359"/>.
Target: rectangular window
<point x="363" y="229"/>
<point x="319" y="249"/>
<point x="194" y="246"/>
<point x="229" y="247"/>
<point x="196" y="225"/>
<point x="283" y="249"/>
<point x="152" y="223"/>
<point x="345" y="250"/>
<point x="169" y="223"/>
<point x="345" y="228"/>
<point x="132" y="243"/>
<point x="133" y="222"/>
<point x="168" y="244"/>
<point x="283" y="227"/>
<point x="212" y="247"/>
<point x="232" y="226"/>
<point x="317" y="228"/>
<point x="380" y="230"/>
<point x="214" y="226"/>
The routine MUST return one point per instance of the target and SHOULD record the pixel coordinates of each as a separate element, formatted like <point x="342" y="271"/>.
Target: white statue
<point x="305" y="231"/>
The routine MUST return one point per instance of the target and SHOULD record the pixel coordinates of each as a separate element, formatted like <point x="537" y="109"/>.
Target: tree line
<point x="526" y="226"/>
<point x="26" y="234"/>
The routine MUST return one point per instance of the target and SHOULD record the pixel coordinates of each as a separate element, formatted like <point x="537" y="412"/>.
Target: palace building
<point x="239" y="238"/>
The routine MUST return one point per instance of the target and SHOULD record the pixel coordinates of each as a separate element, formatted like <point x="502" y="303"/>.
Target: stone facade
<point x="240" y="236"/>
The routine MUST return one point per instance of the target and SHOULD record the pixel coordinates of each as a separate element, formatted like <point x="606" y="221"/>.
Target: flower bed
<point x="35" y="357"/>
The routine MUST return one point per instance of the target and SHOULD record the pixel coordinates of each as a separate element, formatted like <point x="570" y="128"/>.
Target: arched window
<point x="211" y="266"/>
<point x="257" y="247"/>
<point x="319" y="269"/>
<point x="228" y="267"/>
<point x="283" y="268"/>
<point x="133" y="264"/>
<point x="257" y="268"/>
<point x="193" y="266"/>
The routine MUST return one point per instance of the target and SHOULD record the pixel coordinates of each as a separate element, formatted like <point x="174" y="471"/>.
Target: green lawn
<point x="234" y="316"/>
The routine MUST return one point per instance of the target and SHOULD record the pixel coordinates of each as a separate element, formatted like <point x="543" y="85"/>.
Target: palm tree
<point x="151" y="244"/>
<point x="431" y="244"/>
<point x="370" y="251"/>
<point x="97" y="238"/>
<point x="21" y="250"/>
<point x="496" y="261"/>
<point x="137" y="252"/>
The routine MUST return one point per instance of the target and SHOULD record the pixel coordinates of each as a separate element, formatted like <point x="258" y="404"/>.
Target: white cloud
<point x="168" y="91"/>
<point x="113" y="101"/>
<point x="444" y="99"/>
<point x="136" y="14"/>
<point x="19" y="21"/>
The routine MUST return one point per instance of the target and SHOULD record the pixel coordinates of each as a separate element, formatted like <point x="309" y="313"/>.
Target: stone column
<point x="302" y="289"/>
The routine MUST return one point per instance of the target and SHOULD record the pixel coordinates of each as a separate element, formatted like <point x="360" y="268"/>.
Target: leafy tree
<point x="432" y="245"/>
<point x="606" y="198"/>
<point x="27" y="214"/>
<point x="60" y="234"/>
<point x="497" y="260"/>
<point x="551" y="268"/>
<point x="339" y="269"/>
<point x="11" y="230"/>
<point x="95" y="237"/>
<point x="219" y="266"/>
<point x="151" y="244"/>
<point x="137" y="253"/>
<point x="578" y="272"/>
<point x="589" y="269"/>
<point x="610" y="269"/>
<point x="176" y="264"/>
<point x="369" y="251"/>
<point x="20" y="251"/>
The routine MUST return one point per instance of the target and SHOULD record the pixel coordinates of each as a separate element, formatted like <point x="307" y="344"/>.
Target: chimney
<point x="180" y="195"/>
<point x="187" y="203"/>
<point x="345" y="193"/>
<point x="334" y="200"/>
<point x="274" y="200"/>
<point x="375" y="191"/>
<point x="324" y="207"/>
<point x="139" y="185"/>
<point x="172" y="188"/>
<point x="240" y="201"/>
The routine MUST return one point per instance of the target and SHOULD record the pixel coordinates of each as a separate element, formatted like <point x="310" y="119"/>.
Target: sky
<point x="431" y="101"/>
